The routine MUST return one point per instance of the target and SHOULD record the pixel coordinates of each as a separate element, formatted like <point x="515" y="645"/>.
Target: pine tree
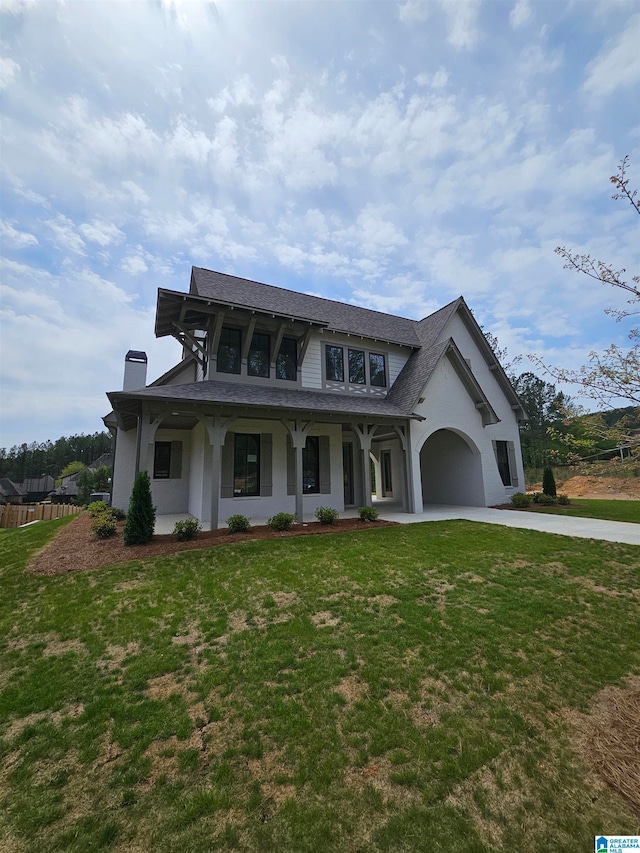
<point x="548" y="482"/>
<point x="141" y="517"/>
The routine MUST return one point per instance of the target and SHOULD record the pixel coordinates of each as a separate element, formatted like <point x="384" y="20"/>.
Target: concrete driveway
<point x="585" y="528"/>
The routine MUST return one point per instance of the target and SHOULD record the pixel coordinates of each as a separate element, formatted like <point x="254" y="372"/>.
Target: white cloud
<point x="618" y="64"/>
<point x="520" y="14"/>
<point x="8" y="70"/>
<point x="101" y="232"/>
<point x="413" y="11"/>
<point x="65" y="236"/>
<point x="15" y="238"/>
<point x="463" y="22"/>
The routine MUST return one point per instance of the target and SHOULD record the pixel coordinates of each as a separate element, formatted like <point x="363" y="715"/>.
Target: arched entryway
<point x="451" y="470"/>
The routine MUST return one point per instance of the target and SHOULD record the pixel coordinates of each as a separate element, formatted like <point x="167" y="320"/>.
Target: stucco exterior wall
<point x="124" y="465"/>
<point x="171" y="495"/>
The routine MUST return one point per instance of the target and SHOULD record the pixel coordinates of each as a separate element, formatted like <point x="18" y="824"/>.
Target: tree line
<point x="37" y="459"/>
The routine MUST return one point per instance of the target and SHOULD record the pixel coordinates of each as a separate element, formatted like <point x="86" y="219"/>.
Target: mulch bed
<point x="76" y="549"/>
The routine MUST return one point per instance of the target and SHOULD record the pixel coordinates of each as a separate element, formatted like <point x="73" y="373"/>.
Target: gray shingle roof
<point x="264" y="396"/>
<point x="337" y="316"/>
<point x="9" y="489"/>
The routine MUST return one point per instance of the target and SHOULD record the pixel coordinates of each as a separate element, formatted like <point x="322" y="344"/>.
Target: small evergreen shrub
<point x="281" y="521"/>
<point x="187" y="529"/>
<point x="103" y="524"/>
<point x="238" y="524"/>
<point x="546" y="500"/>
<point x="563" y="500"/>
<point x="521" y="500"/>
<point x="326" y="515"/>
<point x="141" y="517"/>
<point x="117" y="513"/>
<point x="96" y="508"/>
<point x="548" y="482"/>
<point x="368" y="513"/>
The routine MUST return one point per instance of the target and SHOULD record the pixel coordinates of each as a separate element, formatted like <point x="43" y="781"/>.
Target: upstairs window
<point x="377" y="370"/>
<point x="334" y="363"/>
<point x="259" y="353"/>
<point x="229" y="357"/>
<point x="287" y="360"/>
<point x="356" y="367"/>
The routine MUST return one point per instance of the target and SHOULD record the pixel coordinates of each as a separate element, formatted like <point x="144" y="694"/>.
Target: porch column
<point x="365" y="436"/>
<point x="216" y="427"/>
<point x="407" y="491"/>
<point x="413" y="467"/>
<point x="298" y="433"/>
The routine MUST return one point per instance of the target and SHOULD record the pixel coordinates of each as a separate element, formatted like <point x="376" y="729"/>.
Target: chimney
<point x="135" y="370"/>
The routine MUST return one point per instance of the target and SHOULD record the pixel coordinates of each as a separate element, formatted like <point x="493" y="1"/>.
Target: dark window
<point x="162" y="460"/>
<point x="246" y="465"/>
<point x="377" y="371"/>
<point x="258" y="361"/>
<point x="229" y="351"/>
<point x="356" y="366"/>
<point x="334" y="362"/>
<point x="287" y="360"/>
<point x="502" y="456"/>
<point x="311" y="466"/>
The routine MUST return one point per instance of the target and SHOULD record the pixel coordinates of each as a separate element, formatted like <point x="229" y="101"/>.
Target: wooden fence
<point x="15" y="515"/>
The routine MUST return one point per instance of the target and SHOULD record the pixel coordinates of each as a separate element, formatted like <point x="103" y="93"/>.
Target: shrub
<point x="368" y="513"/>
<point x="281" y="521"/>
<point x="187" y="529"/>
<point x="96" y="508"/>
<point x="548" y="482"/>
<point x="141" y="517"/>
<point x="563" y="500"/>
<point x="546" y="500"/>
<point x="103" y="524"/>
<point x="238" y="524"/>
<point x="117" y="513"/>
<point x="326" y="515"/>
<point x="521" y="500"/>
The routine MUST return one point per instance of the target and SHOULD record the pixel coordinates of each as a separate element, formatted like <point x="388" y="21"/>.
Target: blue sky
<point x="393" y="155"/>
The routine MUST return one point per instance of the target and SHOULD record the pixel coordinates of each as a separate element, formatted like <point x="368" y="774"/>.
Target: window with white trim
<point x="360" y="367"/>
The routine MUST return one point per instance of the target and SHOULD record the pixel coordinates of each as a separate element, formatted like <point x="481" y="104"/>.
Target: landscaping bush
<point x="141" y="517"/>
<point x="96" y="508"/>
<point x="281" y="521"/>
<point x="326" y="515"/>
<point x="103" y="524"/>
<point x="368" y="513"/>
<point x="238" y="524"/>
<point x="521" y="500"/>
<point x="546" y="500"/>
<point x="548" y="482"/>
<point x="563" y="500"/>
<point x="117" y="513"/>
<point x="187" y="529"/>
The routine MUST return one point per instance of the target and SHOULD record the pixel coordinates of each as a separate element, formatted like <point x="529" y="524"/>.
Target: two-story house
<point x="282" y="401"/>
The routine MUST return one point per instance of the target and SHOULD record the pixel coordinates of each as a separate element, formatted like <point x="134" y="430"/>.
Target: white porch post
<point x="407" y="491"/>
<point x="216" y="427"/>
<point x="415" y="474"/>
<point x="298" y="434"/>
<point x="365" y="436"/>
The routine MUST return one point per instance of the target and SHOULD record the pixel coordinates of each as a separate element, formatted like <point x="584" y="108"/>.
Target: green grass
<point x="403" y="689"/>
<point x="606" y="509"/>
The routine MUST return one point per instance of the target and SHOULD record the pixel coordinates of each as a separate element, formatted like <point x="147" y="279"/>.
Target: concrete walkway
<point x="585" y="528"/>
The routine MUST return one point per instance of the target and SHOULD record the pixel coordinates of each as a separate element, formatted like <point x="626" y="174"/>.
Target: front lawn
<point x="427" y="687"/>
<point x="609" y="510"/>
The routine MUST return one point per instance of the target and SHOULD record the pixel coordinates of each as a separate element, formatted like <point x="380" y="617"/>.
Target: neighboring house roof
<point x="231" y="291"/>
<point x="39" y="484"/>
<point x="9" y="489"/>
<point x="104" y="461"/>
<point x="236" y="394"/>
